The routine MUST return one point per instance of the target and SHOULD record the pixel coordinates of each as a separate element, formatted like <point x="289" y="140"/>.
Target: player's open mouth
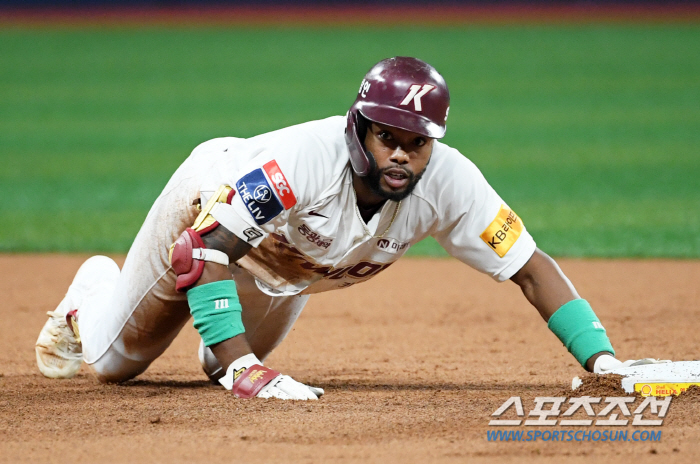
<point x="396" y="178"/>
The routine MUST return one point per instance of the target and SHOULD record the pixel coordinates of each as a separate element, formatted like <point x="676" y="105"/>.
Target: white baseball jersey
<point x="296" y="205"/>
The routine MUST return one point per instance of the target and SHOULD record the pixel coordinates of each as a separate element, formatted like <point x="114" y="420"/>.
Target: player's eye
<point x="420" y="141"/>
<point x="385" y="135"/>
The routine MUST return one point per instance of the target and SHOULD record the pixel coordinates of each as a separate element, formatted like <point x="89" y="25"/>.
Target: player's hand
<point x="246" y="377"/>
<point x="284" y="387"/>
<point x="607" y="364"/>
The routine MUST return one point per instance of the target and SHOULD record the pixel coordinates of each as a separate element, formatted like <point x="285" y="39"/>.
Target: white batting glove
<point x="246" y="377"/>
<point x="284" y="387"/>
<point x="607" y="363"/>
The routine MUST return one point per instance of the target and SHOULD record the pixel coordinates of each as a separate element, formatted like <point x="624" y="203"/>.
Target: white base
<point x="679" y="372"/>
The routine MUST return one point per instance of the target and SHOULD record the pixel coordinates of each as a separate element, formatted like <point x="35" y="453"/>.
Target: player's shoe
<point x="59" y="353"/>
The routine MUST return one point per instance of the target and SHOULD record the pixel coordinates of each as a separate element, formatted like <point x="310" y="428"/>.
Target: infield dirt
<point x="413" y="362"/>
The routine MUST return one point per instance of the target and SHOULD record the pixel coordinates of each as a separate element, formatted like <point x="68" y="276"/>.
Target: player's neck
<point x="367" y="213"/>
<point x="368" y="202"/>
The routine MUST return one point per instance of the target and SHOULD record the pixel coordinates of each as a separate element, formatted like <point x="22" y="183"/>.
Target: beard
<point x="375" y="176"/>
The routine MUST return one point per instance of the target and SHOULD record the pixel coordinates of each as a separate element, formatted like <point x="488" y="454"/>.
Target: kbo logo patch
<point x="265" y="201"/>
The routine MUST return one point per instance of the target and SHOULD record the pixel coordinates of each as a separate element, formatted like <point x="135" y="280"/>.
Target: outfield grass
<point x="590" y="132"/>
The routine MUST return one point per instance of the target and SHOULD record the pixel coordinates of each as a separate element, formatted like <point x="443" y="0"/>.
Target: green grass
<point x="590" y="132"/>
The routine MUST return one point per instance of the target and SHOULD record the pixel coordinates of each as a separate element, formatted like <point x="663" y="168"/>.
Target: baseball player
<point x="247" y="229"/>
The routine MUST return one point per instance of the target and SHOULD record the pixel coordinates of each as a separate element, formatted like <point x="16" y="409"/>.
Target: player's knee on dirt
<point x="112" y="368"/>
<point x="210" y="365"/>
<point x="116" y="377"/>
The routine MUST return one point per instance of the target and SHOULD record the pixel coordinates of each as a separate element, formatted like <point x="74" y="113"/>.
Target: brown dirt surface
<point x="414" y="362"/>
<point x="598" y="385"/>
<point x="692" y="392"/>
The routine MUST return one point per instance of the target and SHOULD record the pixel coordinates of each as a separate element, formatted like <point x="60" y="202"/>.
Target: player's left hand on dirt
<point x="607" y="364"/>
<point x="246" y="377"/>
<point x="286" y="388"/>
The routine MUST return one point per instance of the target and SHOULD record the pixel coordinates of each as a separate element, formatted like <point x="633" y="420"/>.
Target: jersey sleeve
<point x="287" y="170"/>
<point x="476" y="226"/>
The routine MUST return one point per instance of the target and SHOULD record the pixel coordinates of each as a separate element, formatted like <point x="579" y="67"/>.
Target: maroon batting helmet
<point x="400" y="92"/>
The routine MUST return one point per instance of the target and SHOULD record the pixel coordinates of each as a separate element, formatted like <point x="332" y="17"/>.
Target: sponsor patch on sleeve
<point x="256" y="193"/>
<point x="265" y="201"/>
<point x="503" y="232"/>
<point x="279" y="182"/>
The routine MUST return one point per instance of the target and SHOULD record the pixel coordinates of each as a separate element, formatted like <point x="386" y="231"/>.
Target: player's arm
<point x="200" y="257"/>
<point x="221" y="239"/>
<point x="571" y="318"/>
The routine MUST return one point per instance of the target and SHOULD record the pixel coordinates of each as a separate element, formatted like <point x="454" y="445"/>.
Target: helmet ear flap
<point x="362" y="125"/>
<point x="356" y="147"/>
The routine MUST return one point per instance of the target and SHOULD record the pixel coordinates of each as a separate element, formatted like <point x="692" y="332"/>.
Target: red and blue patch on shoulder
<point x="266" y="192"/>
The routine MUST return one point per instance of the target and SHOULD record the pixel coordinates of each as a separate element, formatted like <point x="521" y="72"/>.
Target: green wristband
<point x="580" y="330"/>
<point x="216" y="311"/>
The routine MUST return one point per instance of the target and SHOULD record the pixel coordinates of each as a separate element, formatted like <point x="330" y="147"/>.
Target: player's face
<point x="401" y="158"/>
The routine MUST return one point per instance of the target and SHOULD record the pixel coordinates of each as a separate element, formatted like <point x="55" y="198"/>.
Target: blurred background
<point x="584" y="116"/>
